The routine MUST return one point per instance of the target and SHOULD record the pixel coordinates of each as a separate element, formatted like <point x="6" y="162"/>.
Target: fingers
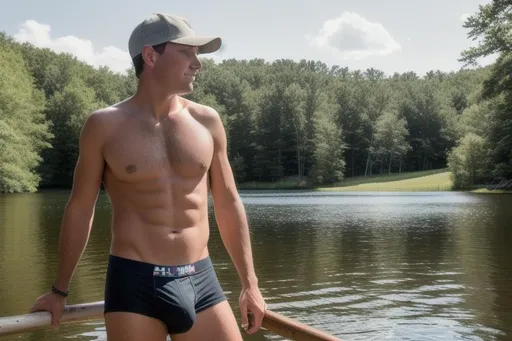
<point x="51" y="305"/>
<point x="39" y="306"/>
<point x="256" y="319"/>
<point x="252" y="308"/>
<point x="243" y="313"/>
<point x="56" y="317"/>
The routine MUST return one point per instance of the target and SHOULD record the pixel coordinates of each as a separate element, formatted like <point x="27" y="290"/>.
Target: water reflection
<point x="363" y="266"/>
<point x="482" y="246"/>
<point x="20" y="263"/>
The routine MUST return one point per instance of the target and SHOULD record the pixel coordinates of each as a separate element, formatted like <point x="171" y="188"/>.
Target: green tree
<point x="68" y="109"/>
<point x="23" y="127"/>
<point x="491" y="27"/>
<point x="294" y="101"/>
<point x="391" y="139"/>
<point x="422" y="107"/>
<point x="467" y="161"/>
<point x="329" y="162"/>
<point x="351" y="119"/>
<point x="269" y="135"/>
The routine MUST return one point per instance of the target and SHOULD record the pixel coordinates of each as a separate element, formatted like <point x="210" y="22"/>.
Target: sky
<point x="392" y="35"/>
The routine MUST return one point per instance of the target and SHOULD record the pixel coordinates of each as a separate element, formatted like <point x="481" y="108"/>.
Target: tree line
<point x="285" y="118"/>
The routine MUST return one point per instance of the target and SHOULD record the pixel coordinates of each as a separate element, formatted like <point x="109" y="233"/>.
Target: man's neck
<point x="154" y="102"/>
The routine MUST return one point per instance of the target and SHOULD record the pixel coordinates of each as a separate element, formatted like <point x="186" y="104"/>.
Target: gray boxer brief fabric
<point x="172" y="294"/>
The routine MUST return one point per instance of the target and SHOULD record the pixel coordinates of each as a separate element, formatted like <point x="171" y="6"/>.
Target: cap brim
<point x="206" y="44"/>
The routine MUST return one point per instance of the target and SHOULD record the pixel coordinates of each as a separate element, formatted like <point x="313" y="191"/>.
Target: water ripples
<point x="360" y="266"/>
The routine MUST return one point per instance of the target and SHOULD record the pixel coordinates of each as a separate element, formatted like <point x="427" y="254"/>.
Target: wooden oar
<point x="293" y="330"/>
<point x="272" y="321"/>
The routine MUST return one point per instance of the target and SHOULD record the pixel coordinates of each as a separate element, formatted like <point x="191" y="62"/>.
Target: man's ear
<point x="148" y="55"/>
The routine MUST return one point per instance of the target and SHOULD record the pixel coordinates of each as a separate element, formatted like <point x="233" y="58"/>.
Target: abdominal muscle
<point x="163" y="221"/>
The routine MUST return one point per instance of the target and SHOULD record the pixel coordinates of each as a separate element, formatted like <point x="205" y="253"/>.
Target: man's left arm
<point x="233" y="226"/>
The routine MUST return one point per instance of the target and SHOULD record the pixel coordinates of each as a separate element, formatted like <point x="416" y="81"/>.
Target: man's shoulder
<point x="196" y="108"/>
<point x="106" y="116"/>
<point x="100" y="121"/>
<point x="203" y="113"/>
<point x="108" y="112"/>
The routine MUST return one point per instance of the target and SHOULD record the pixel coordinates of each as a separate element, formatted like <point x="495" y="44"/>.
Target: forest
<point x="285" y="118"/>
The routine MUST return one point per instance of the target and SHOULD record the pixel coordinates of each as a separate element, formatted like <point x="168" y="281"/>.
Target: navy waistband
<point x="162" y="270"/>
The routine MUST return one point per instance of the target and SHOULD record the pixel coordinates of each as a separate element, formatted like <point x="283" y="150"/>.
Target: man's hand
<point x="52" y="303"/>
<point x="252" y="308"/>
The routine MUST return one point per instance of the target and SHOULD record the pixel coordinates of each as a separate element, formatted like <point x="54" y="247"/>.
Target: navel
<point x="130" y="169"/>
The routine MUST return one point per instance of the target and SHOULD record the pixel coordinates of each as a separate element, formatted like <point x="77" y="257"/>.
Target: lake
<point x="361" y="266"/>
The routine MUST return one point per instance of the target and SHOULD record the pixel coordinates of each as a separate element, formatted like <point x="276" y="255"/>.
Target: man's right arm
<point x="79" y="211"/>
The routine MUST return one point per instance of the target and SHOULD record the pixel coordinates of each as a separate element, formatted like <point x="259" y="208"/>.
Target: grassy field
<point x="426" y="181"/>
<point x="494" y="191"/>
<point x="408" y="182"/>
<point x="371" y="182"/>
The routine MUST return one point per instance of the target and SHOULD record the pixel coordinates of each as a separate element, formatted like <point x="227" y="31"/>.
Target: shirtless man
<point x="158" y="155"/>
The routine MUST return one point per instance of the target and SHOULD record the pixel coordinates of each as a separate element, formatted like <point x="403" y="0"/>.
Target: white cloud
<point x="351" y="36"/>
<point x="39" y="35"/>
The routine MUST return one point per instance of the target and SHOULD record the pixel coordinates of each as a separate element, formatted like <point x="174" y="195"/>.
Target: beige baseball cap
<point x="160" y="28"/>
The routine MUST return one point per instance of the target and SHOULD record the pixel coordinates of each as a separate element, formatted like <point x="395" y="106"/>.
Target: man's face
<point x="176" y="67"/>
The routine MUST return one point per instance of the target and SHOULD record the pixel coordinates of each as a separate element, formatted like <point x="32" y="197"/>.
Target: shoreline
<point x="426" y="181"/>
<point x="421" y="181"/>
<point x="484" y="191"/>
